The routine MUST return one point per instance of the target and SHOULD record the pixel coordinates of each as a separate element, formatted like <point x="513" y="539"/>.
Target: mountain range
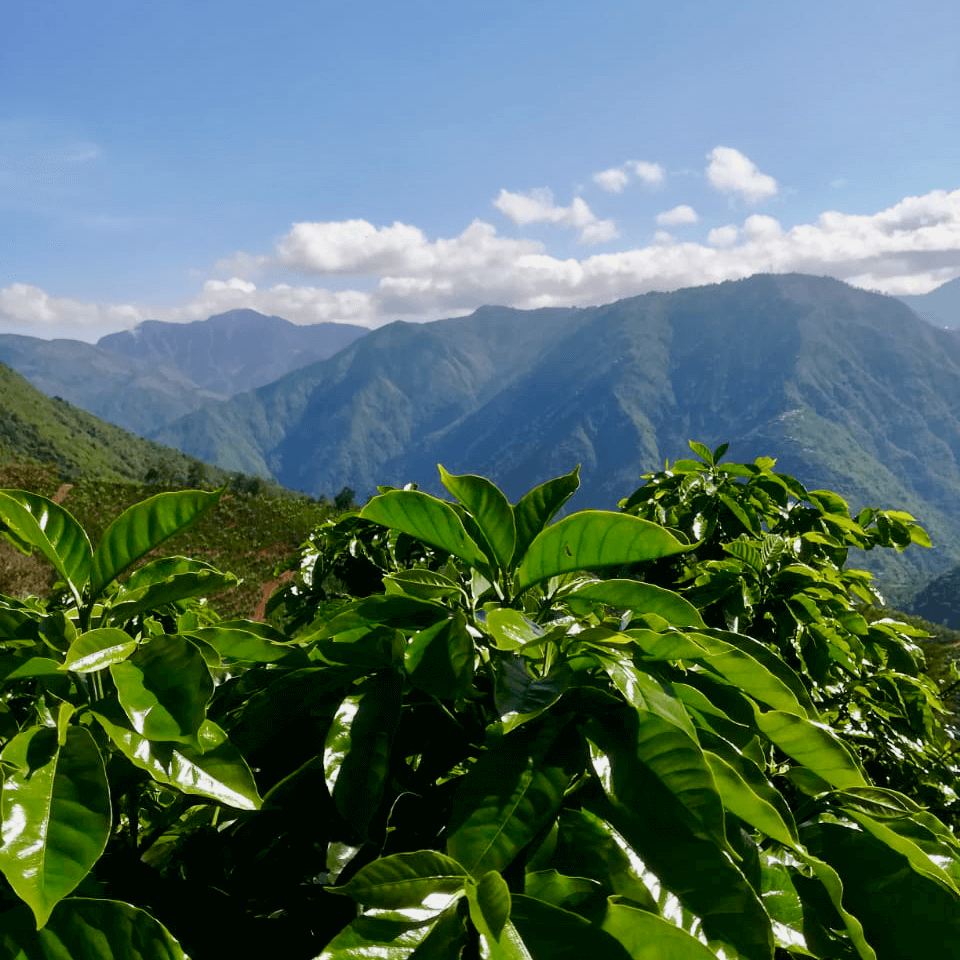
<point x="941" y="306"/>
<point x="849" y="390"/>
<point x="144" y="378"/>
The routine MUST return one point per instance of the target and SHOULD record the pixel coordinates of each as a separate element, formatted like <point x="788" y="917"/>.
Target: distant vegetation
<point x="679" y="729"/>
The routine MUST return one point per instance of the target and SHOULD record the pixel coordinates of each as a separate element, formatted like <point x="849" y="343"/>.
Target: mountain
<point x="849" y="390"/>
<point x="233" y="351"/>
<point x="137" y="395"/>
<point x="941" y="306"/>
<point x="46" y="430"/>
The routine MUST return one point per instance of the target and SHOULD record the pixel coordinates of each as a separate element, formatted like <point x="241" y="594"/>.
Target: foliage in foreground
<point x="664" y="732"/>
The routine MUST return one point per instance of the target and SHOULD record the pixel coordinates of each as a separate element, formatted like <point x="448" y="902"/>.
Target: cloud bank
<point x="355" y="271"/>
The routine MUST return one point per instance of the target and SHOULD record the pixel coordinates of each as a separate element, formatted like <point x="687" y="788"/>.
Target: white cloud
<point x="910" y="247"/>
<point x="731" y="172"/>
<point x="723" y="236"/>
<point x="616" y="178"/>
<point x="613" y="180"/>
<point x="678" y="216"/>
<point x="537" y="206"/>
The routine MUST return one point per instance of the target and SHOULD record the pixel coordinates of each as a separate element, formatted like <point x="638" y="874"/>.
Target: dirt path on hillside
<point x="260" y="614"/>
<point x="62" y="492"/>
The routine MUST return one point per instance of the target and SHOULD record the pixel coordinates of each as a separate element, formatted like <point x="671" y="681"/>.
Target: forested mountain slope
<point x="848" y="389"/>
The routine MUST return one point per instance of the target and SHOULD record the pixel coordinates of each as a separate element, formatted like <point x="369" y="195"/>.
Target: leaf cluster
<point x="481" y="733"/>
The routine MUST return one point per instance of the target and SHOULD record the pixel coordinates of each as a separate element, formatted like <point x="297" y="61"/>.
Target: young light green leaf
<point x="510" y="629"/>
<point x="144" y="526"/>
<point x="428" y="519"/>
<point x="81" y="928"/>
<point x="747" y="795"/>
<point x="56" y="815"/>
<point x="748" y="674"/>
<point x="164" y="688"/>
<point x="701" y="450"/>
<point x="45" y="525"/>
<point x="490" y="510"/>
<point x="97" y="649"/>
<point x="594" y="538"/>
<point x="489" y="900"/>
<point x="814" y="745"/>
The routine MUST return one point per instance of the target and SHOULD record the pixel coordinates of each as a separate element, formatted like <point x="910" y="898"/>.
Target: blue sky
<point x="380" y="161"/>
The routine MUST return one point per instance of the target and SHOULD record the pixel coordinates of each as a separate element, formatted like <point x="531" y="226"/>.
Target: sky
<point x="376" y="161"/>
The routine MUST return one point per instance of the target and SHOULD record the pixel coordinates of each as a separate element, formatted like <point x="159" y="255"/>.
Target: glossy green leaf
<point x="642" y="598"/>
<point x="591" y="539"/>
<point x="701" y="450"/>
<point x="440" y="659"/>
<point x="217" y="771"/>
<point x="661" y="739"/>
<point x="507" y="796"/>
<point x="97" y="649"/>
<point x="645" y="936"/>
<point x="510" y="629"/>
<point x="894" y="904"/>
<point x="795" y="927"/>
<point x="746" y="673"/>
<point x="45" y="525"/>
<point x="490" y="510"/>
<point x="747" y="794"/>
<point x="56" y="815"/>
<point x="658" y="829"/>
<point x="356" y="756"/>
<point x="814" y="745"/>
<point x="549" y="933"/>
<point x="142" y="527"/>
<point x="490" y="902"/>
<point x="85" y="929"/>
<point x="771" y="661"/>
<point x="423" y="584"/>
<point x="665" y="646"/>
<point x="18" y="668"/>
<point x="242" y="641"/>
<point x="395" y="938"/>
<point x="561" y="890"/>
<point x="916" y="857"/>
<point x="538" y="507"/>
<point x="519" y="695"/>
<point x="164" y="688"/>
<point x="404" y="880"/>
<point x="166" y="581"/>
<point x="428" y="519"/>
<point x="588" y="846"/>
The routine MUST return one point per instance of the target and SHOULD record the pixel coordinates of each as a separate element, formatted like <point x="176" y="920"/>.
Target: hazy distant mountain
<point x="144" y="378"/>
<point x="233" y="351"/>
<point x="138" y="395"/>
<point x="850" y="390"/>
<point x="941" y="306"/>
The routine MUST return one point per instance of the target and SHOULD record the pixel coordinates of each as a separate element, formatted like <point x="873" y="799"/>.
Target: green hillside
<point x="49" y="447"/>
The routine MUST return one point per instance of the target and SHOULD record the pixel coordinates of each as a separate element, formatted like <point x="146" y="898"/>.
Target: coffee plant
<point x="670" y="731"/>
